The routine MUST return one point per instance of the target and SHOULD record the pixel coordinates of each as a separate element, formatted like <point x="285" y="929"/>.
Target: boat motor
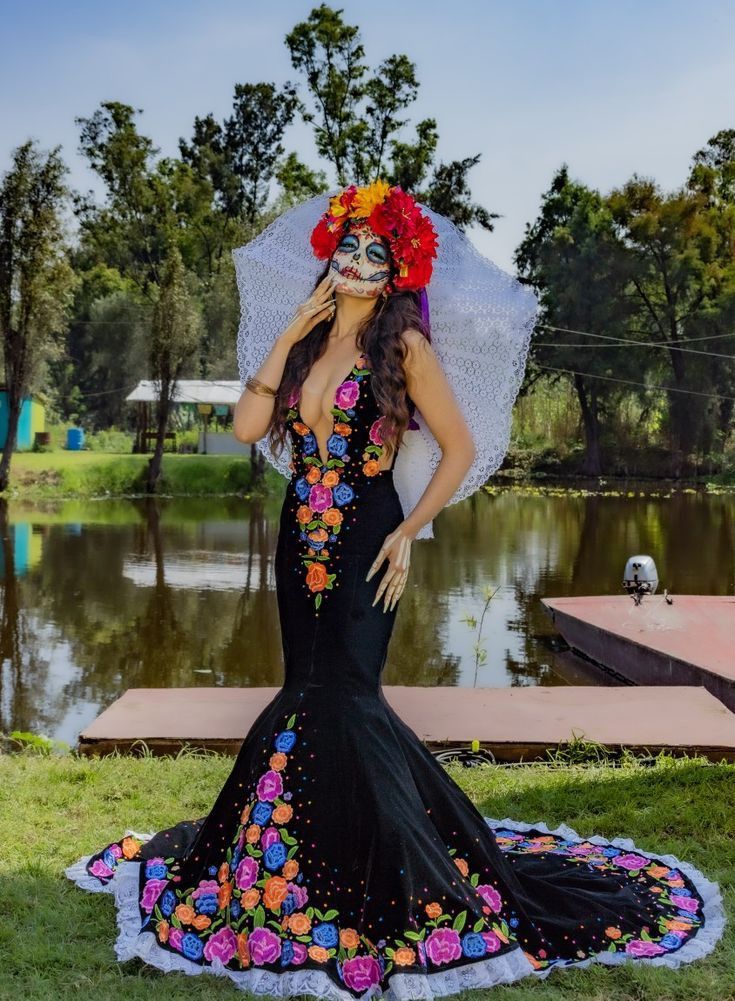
<point x="640" y="577"/>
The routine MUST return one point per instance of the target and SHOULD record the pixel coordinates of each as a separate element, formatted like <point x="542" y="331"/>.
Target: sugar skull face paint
<point x="361" y="263"/>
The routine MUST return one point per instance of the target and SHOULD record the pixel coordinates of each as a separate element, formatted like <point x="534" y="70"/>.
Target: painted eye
<point x="377" y="252"/>
<point x="348" y="243"/>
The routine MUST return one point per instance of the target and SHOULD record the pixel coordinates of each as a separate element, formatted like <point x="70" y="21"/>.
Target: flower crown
<point x="391" y="213"/>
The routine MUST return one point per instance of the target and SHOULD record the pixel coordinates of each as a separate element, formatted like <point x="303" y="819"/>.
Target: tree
<point x="36" y="280"/>
<point x="174" y="341"/>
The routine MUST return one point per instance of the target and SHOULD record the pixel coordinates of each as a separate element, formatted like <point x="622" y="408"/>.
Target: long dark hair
<point x="379" y="337"/>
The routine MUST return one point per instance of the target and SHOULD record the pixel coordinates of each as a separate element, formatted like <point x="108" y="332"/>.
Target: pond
<point x="101" y="596"/>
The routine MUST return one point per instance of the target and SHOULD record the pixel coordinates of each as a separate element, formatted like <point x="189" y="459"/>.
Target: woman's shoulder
<point x="418" y="349"/>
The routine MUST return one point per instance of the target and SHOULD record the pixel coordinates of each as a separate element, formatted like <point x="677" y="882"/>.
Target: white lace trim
<point x="503" y="969"/>
<point x="481" y="320"/>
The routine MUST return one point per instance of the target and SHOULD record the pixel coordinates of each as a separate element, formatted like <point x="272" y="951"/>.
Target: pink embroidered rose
<point x="300" y="895"/>
<point x="361" y="972"/>
<point x="115" y="850"/>
<point x="685" y="903"/>
<point x="100" y="869"/>
<point x="640" y="947"/>
<point x="175" y="936"/>
<point x="492" y="942"/>
<point x="270" y="786"/>
<point x="491" y="896"/>
<point x="206" y="887"/>
<point x="247" y="873"/>
<point x="222" y="945"/>
<point x="347" y="394"/>
<point x="320" y="498"/>
<point x="443" y="945"/>
<point x="375" y="431"/>
<point x="300" y="953"/>
<point x="264" y="945"/>
<point x="630" y="861"/>
<point x="269" y="835"/>
<point x="151" y="892"/>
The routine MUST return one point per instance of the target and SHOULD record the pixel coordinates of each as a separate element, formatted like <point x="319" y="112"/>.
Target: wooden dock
<point x="688" y="642"/>
<point x="515" y="724"/>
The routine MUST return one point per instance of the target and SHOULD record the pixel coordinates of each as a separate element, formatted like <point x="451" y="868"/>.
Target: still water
<point x="101" y="596"/>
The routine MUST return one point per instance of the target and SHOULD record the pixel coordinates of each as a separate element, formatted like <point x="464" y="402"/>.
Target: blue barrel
<point x="75" y="439"/>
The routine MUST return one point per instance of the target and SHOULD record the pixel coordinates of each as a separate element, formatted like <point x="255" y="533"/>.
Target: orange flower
<point x="462" y="866"/>
<point x="223" y="872"/>
<point x="282" y="813"/>
<point x="224" y="896"/>
<point x="130" y="847"/>
<point x="371" y="467"/>
<point x="532" y="960"/>
<point x="300" y="923"/>
<point x="290" y="868"/>
<point x="319" y="535"/>
<point x="316" y="577"/>
<point x="185" y="914"/>
<point x="243" y="950"/>
<point x="163" y="930"/>
<point x="433" y="910"/>
<point x="340" y="427"/>
<point x="404" y="956"/>
<point x="657" y="871"/>
<point x="349" y="938"/>
<point x="330" y="478"/>
<point x="333" y="516"/>
<point x="250" y="899"/>
<point x="300" y="428"/>
<point x="245" y="814"/>
<point x="673" y="925"/>
<point x="252" y="835"/>
<point x="313" y="475"/>
<point x="613" y="932"/>
<point x="275" y="892"/>
<point x="201" y="921"/>
<point x="277" y="761"/>
<point x="318" y="953"/>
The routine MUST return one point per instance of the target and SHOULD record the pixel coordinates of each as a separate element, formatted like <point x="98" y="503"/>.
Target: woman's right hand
<point x="318" y="306"/>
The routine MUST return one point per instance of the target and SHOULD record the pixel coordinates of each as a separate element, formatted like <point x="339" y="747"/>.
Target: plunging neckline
<point x="334" y="404"/>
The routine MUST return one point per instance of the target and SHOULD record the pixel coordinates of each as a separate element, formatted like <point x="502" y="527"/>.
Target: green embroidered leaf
<point x="645" y="936"/>
<point x="259" y="916"/>
<point x="331" y="913"/>
<point x="312" y="525"/>
<point x="475" y="878"/>
<point x="318" y="600"/>
<point x="291" y="721"/>
<point x="413" y="935"/>
<point x="228" y="854"/>
<point x="310" y="912"/>
<point x="612" y="948"/>
<point x="479" y="925"/>
<point x="285" y="836"/>
<point x="175" y="921"/>
<point x="459" y="921"/>
<point x="292" y="851"/>
<point x="390" y="953"/>
<point x="303" y="938"/>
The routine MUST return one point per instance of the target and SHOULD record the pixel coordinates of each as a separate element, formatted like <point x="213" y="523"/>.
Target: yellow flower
<point x="367" y="198"/>
<point x="335" y="206"/>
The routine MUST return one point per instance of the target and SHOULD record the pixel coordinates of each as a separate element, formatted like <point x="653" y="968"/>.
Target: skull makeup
<point x="361" y="262"/>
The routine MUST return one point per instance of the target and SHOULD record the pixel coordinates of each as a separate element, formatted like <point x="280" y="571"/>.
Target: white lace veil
<point x="481" y="324"/>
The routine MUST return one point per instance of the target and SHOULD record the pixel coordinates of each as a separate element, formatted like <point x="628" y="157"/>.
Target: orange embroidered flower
<point x="245" y="814"/>
<point x="224" y="896"/>
<point x="313" y="475"/>
<point x="282" y="813"/>
<point x="349" y="938"/>
<point x="462" y="866"/>
<point x="301" y="428"/>
<point x="316" y="577"/>
<point x="250" y="899"/>
<point x="223" y="872"/>
<point x="185" y="914"/>
<point x="201" y="921"/>
<point x="404" y="956"/>
<point x="343" y="429"/>
<point x="333" y="516"/>
<point x="433" y="910"/>
<point x="278" y="761"/>
<point x="163" y="930"/>
<point x="252" y="835"/>
<point x="300" y="923"/>
<point x="613" y="932"/>
<point x="318" y="953"/>
<point x="290" y="868"/>
<point x="371" y="467"/>
<point x="243" y="950"/>
<point x="275" y="892"/>
<point x="319" y="535"/>
<point x="330" y="478"/>
<point x="130" y="847"/>
<point x="657" y="871"/>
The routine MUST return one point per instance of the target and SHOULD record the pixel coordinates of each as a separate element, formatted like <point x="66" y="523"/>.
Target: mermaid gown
<point x="339" y="858"/>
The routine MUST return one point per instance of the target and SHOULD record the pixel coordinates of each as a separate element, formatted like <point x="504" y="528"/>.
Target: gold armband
<point x="256" y="386"/>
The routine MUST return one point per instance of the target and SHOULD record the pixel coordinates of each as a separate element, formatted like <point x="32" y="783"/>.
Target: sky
<point x="609" y="88"/>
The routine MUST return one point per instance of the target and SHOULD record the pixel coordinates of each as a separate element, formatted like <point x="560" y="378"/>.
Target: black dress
<point x="339" y="858"/>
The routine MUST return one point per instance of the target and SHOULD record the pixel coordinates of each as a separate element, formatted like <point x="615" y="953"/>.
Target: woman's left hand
<point x="397" y="547"/>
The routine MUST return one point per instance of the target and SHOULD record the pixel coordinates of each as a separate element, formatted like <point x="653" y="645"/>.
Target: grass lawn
<point x="56" y="940"/>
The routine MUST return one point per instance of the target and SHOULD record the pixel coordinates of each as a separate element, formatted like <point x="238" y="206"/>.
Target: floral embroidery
<point x="326" y="490"/>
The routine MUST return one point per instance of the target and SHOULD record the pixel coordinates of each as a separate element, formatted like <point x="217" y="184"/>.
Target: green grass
<point x="57" y="940"/>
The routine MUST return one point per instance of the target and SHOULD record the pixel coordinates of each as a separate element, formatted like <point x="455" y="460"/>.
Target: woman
<point x="339" y="858"/>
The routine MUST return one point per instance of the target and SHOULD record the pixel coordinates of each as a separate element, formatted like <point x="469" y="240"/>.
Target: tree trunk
<point x="154" y="465"/>
<point x="10" y="441"/>
<point x="590" y="420"/>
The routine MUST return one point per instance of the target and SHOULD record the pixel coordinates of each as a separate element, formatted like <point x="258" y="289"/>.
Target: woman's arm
<point x="429" y="389"/>
<point x="253" y="411"/>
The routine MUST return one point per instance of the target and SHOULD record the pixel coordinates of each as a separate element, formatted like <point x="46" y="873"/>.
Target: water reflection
<point x="102" y="596"/>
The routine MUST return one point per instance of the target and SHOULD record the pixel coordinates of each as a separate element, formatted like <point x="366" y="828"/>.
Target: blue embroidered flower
<point x="285" y="741"/>
<point x="302" y="488"/>
<point x="326" y="935"/>
<point x="207" y="903"/>
<point x="156" y="869"/>
<point x="670" y="941"/>
<point x="262" y="813"/>
<point x="337" y="444"/>
<point x="168" y="902"/>
<point x="286" y="952"/>
<point x="289" y="904"/>
<point x="109" y="859"/>
<point x="235" y="909"/>
<point x="309" y="445"/>
<point x="213" y="870"/>
<point x="473" y="944"/>
<point x="342" y="494"/>
<point x="191" y="947"/>
<point x="275" y="856"/>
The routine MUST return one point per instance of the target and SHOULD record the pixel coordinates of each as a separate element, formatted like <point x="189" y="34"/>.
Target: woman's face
<point x="361" y="263"/>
